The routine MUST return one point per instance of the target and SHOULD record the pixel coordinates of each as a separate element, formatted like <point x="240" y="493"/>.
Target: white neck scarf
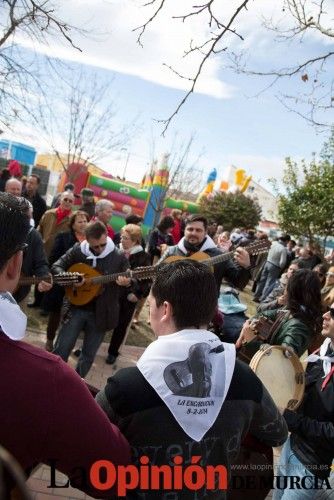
<point x="326" y="360"/>
<point x="132" y="250"/>
<point x="84" y="247"/>
<point x="208" y="243"/>
<point x="13" y="321"/>
<point x="191" y="371"/>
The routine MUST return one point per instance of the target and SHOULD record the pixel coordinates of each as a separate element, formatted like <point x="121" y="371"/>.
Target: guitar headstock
<point x="259" y="246"/>
<point x="67" y="279"/>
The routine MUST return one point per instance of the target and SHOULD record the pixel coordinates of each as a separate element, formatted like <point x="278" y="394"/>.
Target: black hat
<point x="87" y="192"/>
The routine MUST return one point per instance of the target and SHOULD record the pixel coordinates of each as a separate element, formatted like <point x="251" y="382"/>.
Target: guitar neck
<point x="218" y="258"/>
<point x="32" y="280"/>
<point x="142" y="273"/>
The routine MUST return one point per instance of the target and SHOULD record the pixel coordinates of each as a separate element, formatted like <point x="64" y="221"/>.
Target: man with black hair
<point x="196" y="239"/>
<point x="100" y="314"/>
<point x="189" y="384"/>
<point x="46" y="410"/>
<point x="32" y="194"/>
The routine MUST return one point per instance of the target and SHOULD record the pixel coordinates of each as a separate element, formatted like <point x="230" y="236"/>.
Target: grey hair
<point x="102" y="205"/>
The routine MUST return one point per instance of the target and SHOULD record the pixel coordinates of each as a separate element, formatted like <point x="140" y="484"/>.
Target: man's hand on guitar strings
<point x="242" y="257"/>
<point x="44" y="286"/>
<point x="123" y="281"/>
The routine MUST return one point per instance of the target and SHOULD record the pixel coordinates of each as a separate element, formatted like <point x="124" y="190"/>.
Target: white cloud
<point x="111" y="42"/>
<point x="115" y="47"/>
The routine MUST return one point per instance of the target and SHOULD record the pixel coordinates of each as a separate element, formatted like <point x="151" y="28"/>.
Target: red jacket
<point x="47" y="412"/>
<point x="176" y="231"/>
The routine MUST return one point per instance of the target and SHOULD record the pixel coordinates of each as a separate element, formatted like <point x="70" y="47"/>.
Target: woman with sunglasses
<point x="53" y="300"/>
<point x="56" y="220"/>
<point x="297" y="323"/>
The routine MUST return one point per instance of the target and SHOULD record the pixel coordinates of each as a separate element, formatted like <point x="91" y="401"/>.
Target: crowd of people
<point x="193" y="363"/>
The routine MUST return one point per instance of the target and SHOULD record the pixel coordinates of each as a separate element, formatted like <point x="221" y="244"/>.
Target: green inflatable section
<point x="186" y="206"/>
<point x="119" y="187"/>
<point x="118" y="222"/>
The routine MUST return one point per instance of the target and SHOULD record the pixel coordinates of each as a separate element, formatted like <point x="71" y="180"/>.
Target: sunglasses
<point x="97" y="247"/>
<point x="331" y="312"/>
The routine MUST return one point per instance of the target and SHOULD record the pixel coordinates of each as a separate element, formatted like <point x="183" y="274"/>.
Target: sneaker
<point x="111" y="358"/>
<point x="49" y="345"/>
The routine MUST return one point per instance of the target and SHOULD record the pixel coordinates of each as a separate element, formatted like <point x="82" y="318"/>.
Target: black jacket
<point x="107" y="303"/>
<point x="141" y="288"/>
<point x="34" y="263"/>
<point x="156" y="239"/>
<point x="312" y="426"/>
<point x="146" y="422"/>
<point x="38" y="205"/>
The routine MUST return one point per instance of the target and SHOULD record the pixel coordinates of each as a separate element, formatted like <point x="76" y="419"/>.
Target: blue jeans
<point x="289" y="465"/>
<point x="80" y="320"/>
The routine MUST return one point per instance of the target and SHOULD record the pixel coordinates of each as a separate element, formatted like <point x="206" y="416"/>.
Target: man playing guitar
<point x="196" y="239"/>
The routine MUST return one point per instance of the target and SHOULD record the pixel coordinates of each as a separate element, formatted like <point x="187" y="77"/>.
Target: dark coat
<point x="156" y="239"/>
<point x="107" y="303"/>
<point x="140" y="288"/>
<point x="38" y="205"/>
<point x="34" y="263"/>
<point x="312" y="426"/>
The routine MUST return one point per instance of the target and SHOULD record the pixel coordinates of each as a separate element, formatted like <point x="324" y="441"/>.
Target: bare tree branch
<point x="143" y="27"/>
<point x="82" y="118"/>
<point x="299" y="19"/>
<point x="210" y="46"/>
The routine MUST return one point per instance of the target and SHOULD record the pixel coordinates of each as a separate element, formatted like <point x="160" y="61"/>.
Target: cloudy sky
<point x="233" y="121"/>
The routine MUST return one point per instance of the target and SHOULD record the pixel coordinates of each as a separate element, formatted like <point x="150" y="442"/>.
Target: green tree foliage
<point x="306" y="209"/>
<point x="232" y="210"/>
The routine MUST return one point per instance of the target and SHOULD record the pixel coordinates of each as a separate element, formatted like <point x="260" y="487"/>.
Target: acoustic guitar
<point x="94" y="280"/>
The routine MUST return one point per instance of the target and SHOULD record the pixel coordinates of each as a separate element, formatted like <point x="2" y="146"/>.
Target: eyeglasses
<point x="125" y="238"/>
<point x="97" y="247"/>
<point x="69" y="200"/>
<point x="331" y="312"/>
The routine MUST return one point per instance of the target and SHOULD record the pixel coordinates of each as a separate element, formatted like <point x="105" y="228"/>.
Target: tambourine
<point x="283" y="376"/>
